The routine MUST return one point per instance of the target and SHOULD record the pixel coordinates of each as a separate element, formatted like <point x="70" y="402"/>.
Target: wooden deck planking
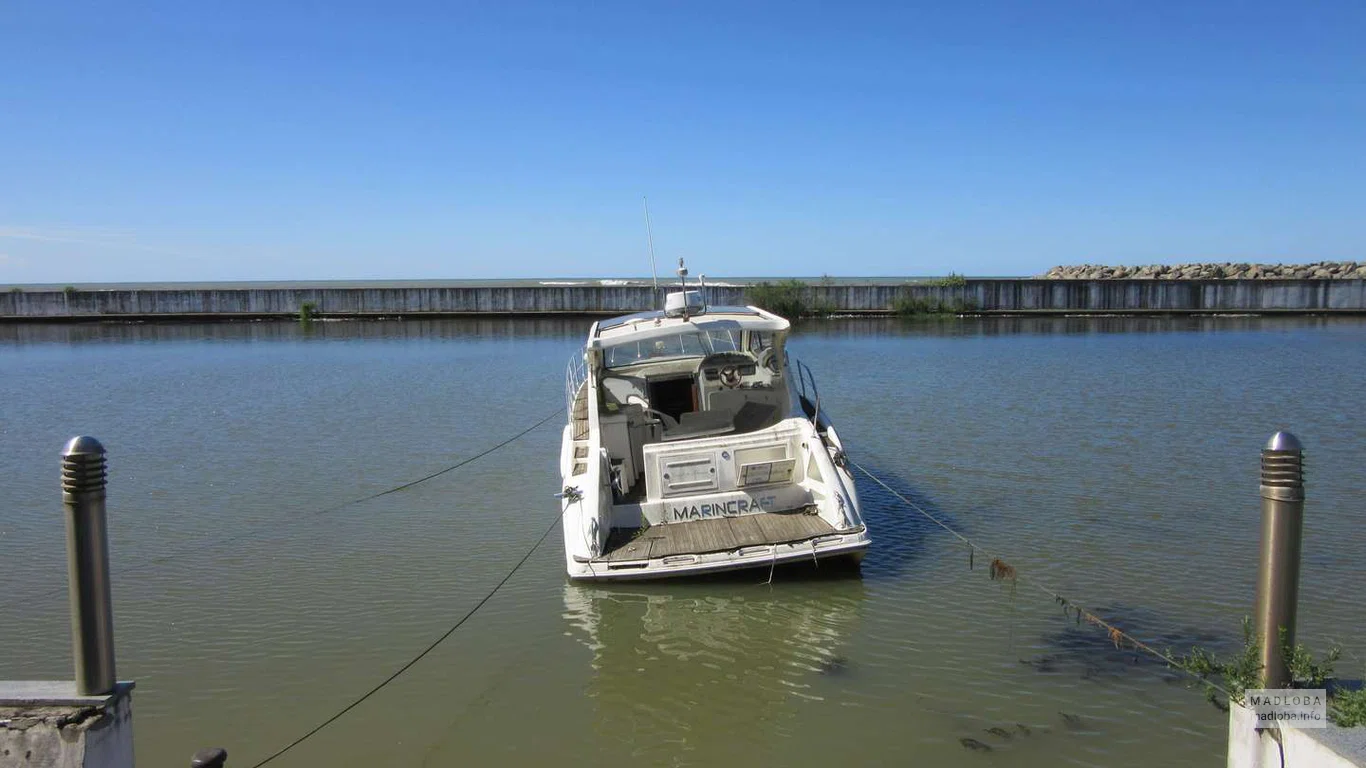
<point x="778" y="528"/>
<point x="579" y="413"/>
<point x="717" y="535"/>
<point x="635" y="549"/>
<point x="747" y="530"/>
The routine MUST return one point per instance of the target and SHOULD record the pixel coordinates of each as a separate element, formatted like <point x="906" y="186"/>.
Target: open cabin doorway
<point x="673" y="396"/>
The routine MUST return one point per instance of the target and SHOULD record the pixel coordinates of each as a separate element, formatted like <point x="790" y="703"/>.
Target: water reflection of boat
<point x="674" y="669"/>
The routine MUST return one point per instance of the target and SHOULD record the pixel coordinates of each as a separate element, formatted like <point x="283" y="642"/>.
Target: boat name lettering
<point x="729" y="508"/>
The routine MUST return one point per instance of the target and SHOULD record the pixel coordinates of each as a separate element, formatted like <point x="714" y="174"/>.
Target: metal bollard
<point x="87" y="565"/>
<point x="215" y="757"/>
<point x="1278" y="576"/>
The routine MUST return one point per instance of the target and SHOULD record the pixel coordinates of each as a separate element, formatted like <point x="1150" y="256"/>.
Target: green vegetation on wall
<point x="787" y="298"/>
<point x="1235" y="675"/>
<point x="952" y="281"/>
<point x="794" y="299"/>
<point x="907" y="306"/>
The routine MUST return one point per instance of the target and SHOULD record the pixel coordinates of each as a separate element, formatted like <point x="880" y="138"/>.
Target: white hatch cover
<point x="767" y="472"/>
<point x="689" y="474"/>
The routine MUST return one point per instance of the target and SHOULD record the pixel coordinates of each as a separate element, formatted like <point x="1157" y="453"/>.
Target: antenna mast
<point x="649" y="233"/>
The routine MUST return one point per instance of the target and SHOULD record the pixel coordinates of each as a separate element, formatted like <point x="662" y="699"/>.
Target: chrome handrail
<point x="575" y="374"/>
<point x="804" y="374"/>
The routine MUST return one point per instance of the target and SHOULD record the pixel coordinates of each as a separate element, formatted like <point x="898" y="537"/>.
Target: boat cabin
<point x="683" y="373"/>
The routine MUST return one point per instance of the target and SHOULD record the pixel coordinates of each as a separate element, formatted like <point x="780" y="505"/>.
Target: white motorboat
<point x="695" y="444"/>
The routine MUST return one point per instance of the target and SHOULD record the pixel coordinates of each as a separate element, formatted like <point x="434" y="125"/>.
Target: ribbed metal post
<point x="1278" y="576"/>
<point x="215" y="757"/>
<point x="87" y="564"/>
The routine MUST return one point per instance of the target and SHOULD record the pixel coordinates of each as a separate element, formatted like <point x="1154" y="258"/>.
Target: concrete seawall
<point x="991" y="296"/>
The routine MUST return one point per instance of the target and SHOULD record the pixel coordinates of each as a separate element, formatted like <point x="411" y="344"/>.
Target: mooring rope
<point x="451" y="468"/>
<point x="163" y="559"/>
<point x="425" y="651"/>
<point x="1000" y="570"/>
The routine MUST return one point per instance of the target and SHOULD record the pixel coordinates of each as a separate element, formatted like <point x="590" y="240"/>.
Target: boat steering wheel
<point x="727" y="367"/>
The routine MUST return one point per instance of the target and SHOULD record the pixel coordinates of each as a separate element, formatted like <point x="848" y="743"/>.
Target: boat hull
<point x="731" y="468"/>
<point x="849" y="546"/>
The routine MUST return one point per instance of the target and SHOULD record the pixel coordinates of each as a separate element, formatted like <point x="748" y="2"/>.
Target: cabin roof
<point x="646" y="325"/>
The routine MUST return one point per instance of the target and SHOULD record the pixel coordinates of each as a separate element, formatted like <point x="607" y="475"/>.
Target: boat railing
<point x="575" y="374"/>
<point x="806" y="387"/>
<point x="806" y="380"/>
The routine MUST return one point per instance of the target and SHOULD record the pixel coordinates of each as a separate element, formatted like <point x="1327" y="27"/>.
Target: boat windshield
<point x="679" y="345"/>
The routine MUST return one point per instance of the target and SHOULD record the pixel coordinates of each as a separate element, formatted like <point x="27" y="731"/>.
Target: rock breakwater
<point x="1321" y="270"/>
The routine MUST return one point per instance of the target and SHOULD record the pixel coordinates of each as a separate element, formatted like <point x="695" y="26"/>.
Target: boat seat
<point x="752" y="408"/>
<point x="619" y="389"/>
<point x="665" y="419"/>
<point x="701" y="424"/>
<point x="754" y="415"/>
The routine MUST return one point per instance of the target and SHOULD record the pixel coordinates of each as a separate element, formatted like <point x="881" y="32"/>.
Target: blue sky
<point x="344" y="140"/>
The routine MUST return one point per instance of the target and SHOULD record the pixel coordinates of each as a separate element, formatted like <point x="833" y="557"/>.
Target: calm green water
<point x="1115" y="460"/>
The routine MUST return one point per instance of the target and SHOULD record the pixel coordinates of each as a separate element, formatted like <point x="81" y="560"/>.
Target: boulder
<point x="1320" y="270"/>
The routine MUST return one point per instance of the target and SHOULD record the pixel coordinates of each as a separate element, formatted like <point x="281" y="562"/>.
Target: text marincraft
<point x="722" y="508"/>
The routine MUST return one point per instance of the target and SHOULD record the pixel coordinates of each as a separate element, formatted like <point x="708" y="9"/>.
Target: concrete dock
<point x="52" y="725"/>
